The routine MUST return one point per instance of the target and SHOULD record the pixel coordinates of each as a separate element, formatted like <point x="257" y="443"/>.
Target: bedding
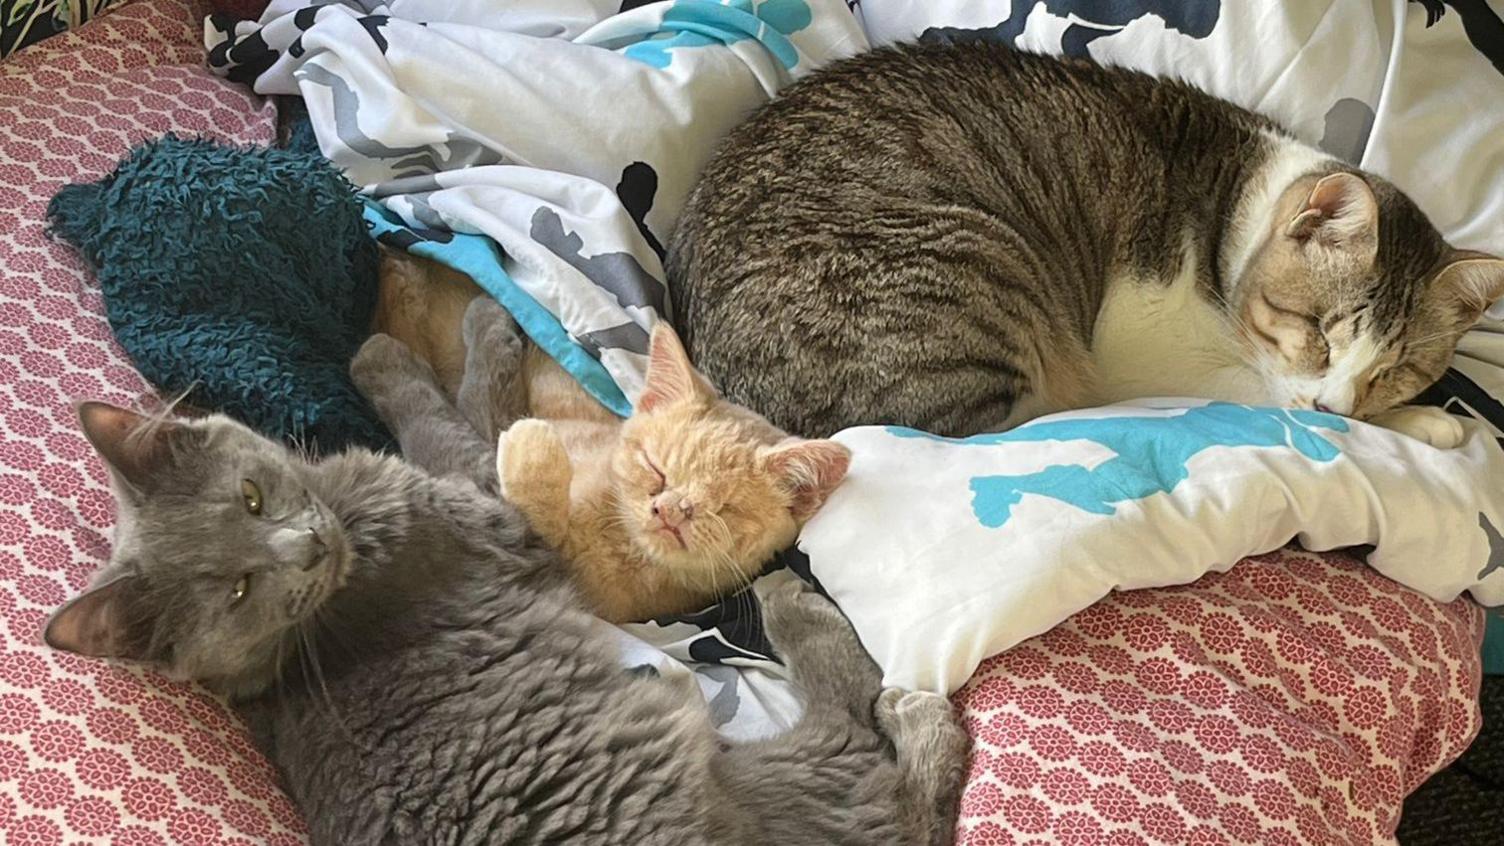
<point x="1012" y="533"/>
<point x="242" y="279"/>
<point x="1295" y="699"/>
<point x="93" y="753"/>
<point x="26" y="22"/>
<point x="571" y="153"/>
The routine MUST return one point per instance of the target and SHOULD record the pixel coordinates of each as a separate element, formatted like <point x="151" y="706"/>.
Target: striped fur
<point x="926" y="236"/>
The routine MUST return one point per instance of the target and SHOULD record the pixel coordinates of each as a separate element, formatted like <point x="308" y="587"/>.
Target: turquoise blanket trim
<point x="704" y="23"/>
<point x="1493" y="643"/>
<point x="478" y="257"/>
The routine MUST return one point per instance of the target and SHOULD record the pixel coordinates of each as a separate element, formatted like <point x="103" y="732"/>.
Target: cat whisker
<point x="305" y="633"/>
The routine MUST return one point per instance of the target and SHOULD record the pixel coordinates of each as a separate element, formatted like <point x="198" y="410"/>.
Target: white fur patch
<point x="1252" y="221"/>
<point x="1155" y="340"/>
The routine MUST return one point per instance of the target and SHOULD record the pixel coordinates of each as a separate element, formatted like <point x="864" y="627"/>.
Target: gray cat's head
<point x="221" y="552"/>
<point x="1354" y="303"/>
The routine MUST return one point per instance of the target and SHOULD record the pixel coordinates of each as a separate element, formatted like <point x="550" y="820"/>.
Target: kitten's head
<point x="708" y="487"/>
<point x="1354" y="303"/>
<point x="220" y="551"/>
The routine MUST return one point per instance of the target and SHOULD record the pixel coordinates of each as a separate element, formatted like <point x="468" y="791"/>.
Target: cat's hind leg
<point x="832" y="778"/>
<point x="932" y="747"/>
<point x="430" y="431"/>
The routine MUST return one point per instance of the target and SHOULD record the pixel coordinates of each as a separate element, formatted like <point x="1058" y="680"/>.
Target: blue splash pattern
<point x="705" y="23"/>
<point x="1151" y="454"/>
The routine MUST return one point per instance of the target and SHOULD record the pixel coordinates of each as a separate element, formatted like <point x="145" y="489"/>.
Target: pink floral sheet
<point x="1295" y="699"/>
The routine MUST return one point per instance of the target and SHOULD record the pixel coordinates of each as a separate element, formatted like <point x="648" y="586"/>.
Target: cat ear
<point x="671" y="377"/>
<point x="1341" y="212"/>
<point x="128" y="442"/>
<point x="811" y="470"/>
<point x="1477" y="279"/>
<point x="94" y="623"/>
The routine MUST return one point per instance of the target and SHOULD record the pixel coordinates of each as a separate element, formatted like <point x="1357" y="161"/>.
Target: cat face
<point x="1354" y="304"/>
<point x="708" y="487"/>
<point x="221" y="551"/>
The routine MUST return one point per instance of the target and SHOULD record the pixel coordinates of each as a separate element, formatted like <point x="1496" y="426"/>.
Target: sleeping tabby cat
<point x="419" y="668"/>
<point x="961" y="238"/>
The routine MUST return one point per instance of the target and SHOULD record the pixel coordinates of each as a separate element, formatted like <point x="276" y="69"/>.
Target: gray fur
<point x="444" y="684"/>
<point x="924" y="235"/>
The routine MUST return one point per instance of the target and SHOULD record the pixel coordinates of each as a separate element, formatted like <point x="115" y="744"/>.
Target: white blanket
<point x="566" y="134"/>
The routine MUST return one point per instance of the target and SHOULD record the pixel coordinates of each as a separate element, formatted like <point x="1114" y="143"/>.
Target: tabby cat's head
<point x="1354" y="303"/>
<point x="220" y="551"/>
<point x="708" y="487"/>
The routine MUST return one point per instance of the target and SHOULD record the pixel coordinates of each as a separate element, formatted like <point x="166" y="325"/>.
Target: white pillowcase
<point x="943" y="552"/>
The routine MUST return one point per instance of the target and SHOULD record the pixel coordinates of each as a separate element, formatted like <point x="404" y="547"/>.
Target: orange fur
<point x="422" y="304"/>
<point x="730" y="490"/>
<point x="580" y="474"/>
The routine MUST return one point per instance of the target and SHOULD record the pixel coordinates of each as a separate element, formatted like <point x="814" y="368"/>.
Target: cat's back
<point x="976" y="122"/>
<point x="914" y="235"/>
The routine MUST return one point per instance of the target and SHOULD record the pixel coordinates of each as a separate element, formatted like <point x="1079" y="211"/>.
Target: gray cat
<point x="961" y="238"/>
<point x="418" y="667"/>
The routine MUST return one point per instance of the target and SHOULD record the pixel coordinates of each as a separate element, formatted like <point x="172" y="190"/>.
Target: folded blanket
<point x="565" y="133"/>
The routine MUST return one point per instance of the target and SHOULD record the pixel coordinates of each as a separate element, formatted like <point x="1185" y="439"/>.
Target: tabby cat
<point x="963" y="237"/>
<point x="419" y="668"/>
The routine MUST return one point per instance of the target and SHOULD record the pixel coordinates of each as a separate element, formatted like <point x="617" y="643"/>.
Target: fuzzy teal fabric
<point x="243" y="276"/>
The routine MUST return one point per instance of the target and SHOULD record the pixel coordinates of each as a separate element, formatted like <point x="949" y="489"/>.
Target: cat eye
<point x="662" y="479"/>
<point x="242" y="587"/>
<point x="250" y="494"/>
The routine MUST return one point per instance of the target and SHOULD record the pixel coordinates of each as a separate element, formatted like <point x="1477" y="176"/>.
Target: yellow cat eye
<point x="243" y="586"/>
<point x="251" y="495"/>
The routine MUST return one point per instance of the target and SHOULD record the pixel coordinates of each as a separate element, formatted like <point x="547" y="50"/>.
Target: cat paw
<point x="489" y="326"/>
<point x="1424" y="423"/>
<point x="921" y="724"/>
<point x="931" y="748"/>
<point x="530" y="455"/>
<point x="384" y="364"/>
<point x="820" y="648"/>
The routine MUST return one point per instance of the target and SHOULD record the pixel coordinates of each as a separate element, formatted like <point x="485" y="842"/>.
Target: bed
<point x="1296" y="698"/>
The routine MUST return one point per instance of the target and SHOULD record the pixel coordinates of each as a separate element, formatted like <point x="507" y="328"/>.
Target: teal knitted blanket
<point x="243" y="276"/>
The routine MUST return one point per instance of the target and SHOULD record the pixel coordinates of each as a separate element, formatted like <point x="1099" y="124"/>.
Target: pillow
<point x="946" y="551"/>
<point x="89" y="752"/>
<point x="25" y="22"/>
<point x="1295" y="699"/>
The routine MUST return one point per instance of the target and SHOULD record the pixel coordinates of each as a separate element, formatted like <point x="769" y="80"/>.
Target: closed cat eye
<point x="251" y="495"/>
<point x="662" y="479"/>
<point x="242" y="587"/>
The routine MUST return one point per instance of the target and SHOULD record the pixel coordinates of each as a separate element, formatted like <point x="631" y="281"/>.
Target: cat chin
<point x="663" y="547"/>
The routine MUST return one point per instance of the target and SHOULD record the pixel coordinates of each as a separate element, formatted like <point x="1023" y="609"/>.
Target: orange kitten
<point x="673" y="508"/>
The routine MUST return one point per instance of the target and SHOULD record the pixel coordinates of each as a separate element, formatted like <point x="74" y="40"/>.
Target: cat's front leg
<point x="492" y="392"/>
<point x="407" y="397"/>
<point x="535" y="475"/>
<point x="1424" y="423"/>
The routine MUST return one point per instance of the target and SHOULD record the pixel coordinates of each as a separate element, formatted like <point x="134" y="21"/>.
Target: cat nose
<point x="672" y="512"/>
<point x="318" y="549"/>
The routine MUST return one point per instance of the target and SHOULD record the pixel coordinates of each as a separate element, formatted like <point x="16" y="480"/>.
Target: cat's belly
<point x="1158" y="340"/>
